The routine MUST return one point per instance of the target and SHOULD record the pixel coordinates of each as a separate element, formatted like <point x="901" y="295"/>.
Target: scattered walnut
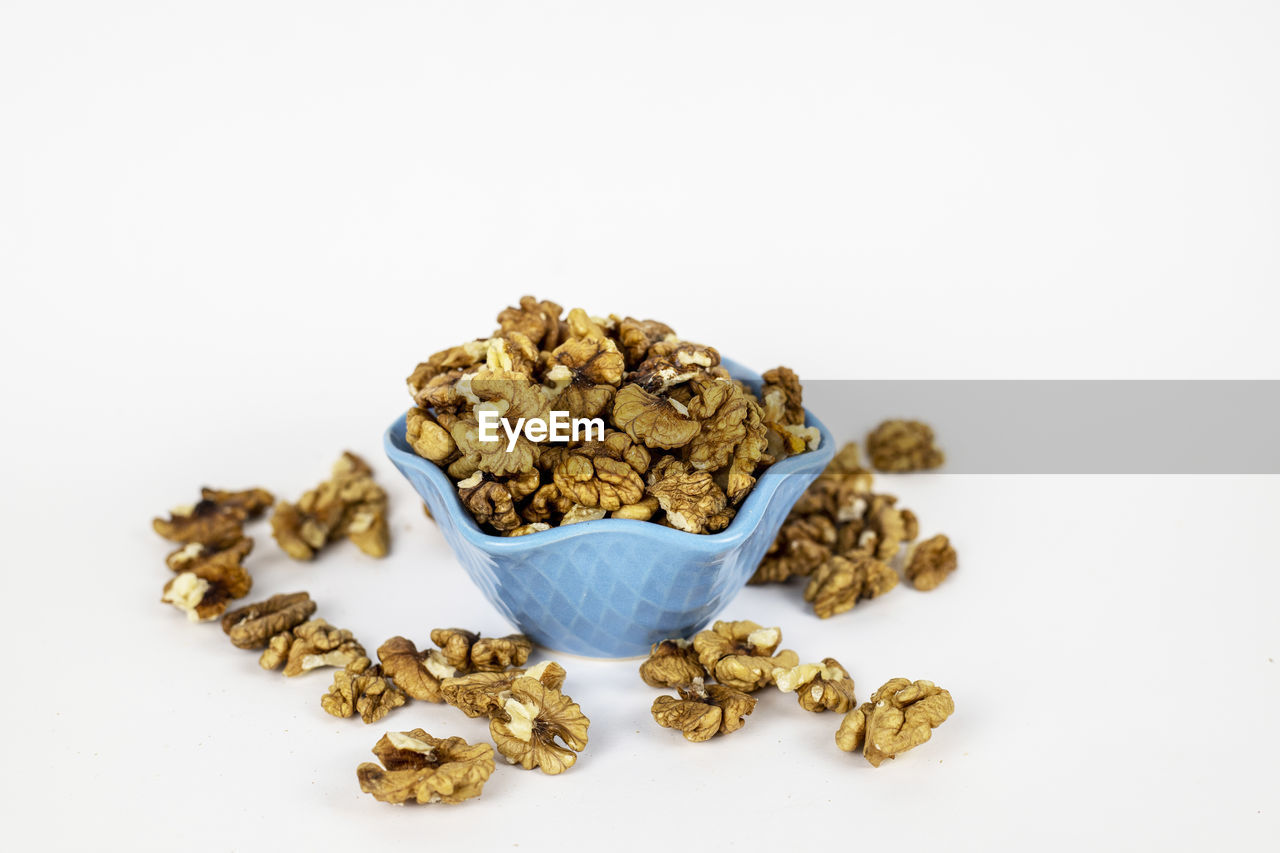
<point x="417" y="673"/>
<point x="804" y="543"/>
<point x="251" y="626"/>
<point x="202" y="523"/>
<point x="362" y="688"/>
<point x="703" y="710"/>
<point x="530" y="720"/>
<point x="901" y="446"/>
<point x="877" y="527"/>
<point x="900" y="716"/>
<point x="193" y="555"/>
<point x="480" y="694"/>
<point x="349" y="504"/>
<point x="426" y="769"/>
<point x="216" y="520"/>
<point x="298" y="535"/>
<point x="819" y="687"/>
<point x="309" y="646"/>
<point x="672" y="663"/>
<point x="247" y="503"/>
<point x="841" y="582"/>
<point x="207" y="579"/>
<point x="742" y="655"/>
<point x="839" y="488"/>
<point x="469" y="652"/>
<point x="930" y="562"/>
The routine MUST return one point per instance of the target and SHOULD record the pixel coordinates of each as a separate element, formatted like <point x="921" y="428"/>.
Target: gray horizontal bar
<point x="1071" y="426"/>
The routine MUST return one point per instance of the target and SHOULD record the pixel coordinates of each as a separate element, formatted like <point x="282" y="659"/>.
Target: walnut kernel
<point x="900" y="716"/>
<point x="426" y="769"/>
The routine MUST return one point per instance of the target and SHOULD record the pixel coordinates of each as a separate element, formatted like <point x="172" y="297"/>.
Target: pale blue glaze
<point x="610" y="588"/>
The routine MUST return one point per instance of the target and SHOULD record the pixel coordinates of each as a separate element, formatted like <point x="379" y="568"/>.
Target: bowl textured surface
<point x="611" y="588"/>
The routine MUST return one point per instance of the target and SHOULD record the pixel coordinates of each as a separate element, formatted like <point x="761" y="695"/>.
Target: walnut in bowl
<point x="611" y="587"/>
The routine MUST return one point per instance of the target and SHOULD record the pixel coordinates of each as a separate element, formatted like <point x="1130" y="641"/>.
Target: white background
<point x="228" y="230"/>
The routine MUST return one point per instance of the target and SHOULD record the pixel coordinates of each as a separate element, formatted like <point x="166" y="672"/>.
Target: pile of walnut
<point x="845" y="539"/>
<point x="482" y="677"/>
<point x="683" y="445"/>
<point x="348" y="504"/>
<point x="208" y="570"/>
<point x="743" y="657"/>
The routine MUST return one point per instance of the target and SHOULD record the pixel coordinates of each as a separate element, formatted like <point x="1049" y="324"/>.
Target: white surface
<point x="227" y="232"/>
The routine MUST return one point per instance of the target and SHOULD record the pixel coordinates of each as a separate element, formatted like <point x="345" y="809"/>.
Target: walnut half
<point x="672" y="663"/>
<point x="901" y="446"/>
<point x="426" y="769"/>
<point x="819" y="687"/>
<point x="532" y="717"/>
<point x="418" y="673"/>
<point x="348" y="504"/>
<point x="208" y="578"/>
<point x="252" y="626"/>
<point x="840" y="583"/>
<point x="930" y="562"/>
<point x="481" y="694"/>
<point x="362" y="687"/>
<point x="901" y="715"/>
<point x="742" y="654"/>
<point x="309" y="646"/>
<point x="703" y="710"/>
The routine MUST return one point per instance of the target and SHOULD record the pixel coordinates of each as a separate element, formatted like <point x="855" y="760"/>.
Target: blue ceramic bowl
<point x="612" y="587"/>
